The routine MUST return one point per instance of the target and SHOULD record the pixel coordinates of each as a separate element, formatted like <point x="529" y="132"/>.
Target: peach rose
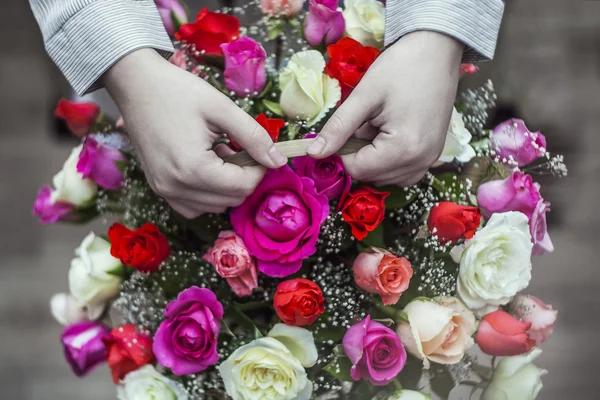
<point x="542" y="317"/>
<point x="281" y="7"/>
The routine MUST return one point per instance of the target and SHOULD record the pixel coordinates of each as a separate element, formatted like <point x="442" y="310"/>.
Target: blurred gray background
<point x="547" y="70"/>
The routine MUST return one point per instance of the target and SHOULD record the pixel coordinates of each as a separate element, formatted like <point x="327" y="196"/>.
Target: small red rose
<point x="451" y="222"/>
<point x="127" y="350"/>
<point x="501" y="334"/>
<point x="143" y="249"/>
<point x="79" y="117"/>
<point x="271" y="125"/>
<point x="298" y="302"/>
<point x="209" y="31"/>
<point x="363" y="209"/>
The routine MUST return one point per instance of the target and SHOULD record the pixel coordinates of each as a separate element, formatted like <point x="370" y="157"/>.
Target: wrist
<point x="130" y="71"/>
<point x="433" y="44"/>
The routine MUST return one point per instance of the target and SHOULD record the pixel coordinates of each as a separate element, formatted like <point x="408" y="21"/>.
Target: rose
<point x="69" y="184"/>
<point x="542" y="317"/>
<point x="518" y="192"/>
<point x="500" y="252"/>
<point x="281" y="7"/>
<point x="98" y="162"/>
<point x="209" y="31"/>
<point x="179" y="59"/>
<point x="127" y="350"/>
<point x="280" y="222"/>
<point x="468" y="69"/>
<point x="324" y="23"/>
<point x="245" y="61"/>
<point x="306" y="92"/>
<point x="186" y="341"/>
<point x="451" y="222"/>
<point x="375" y="351"/>
<point x="172" y="13"/>
<point x="83" y="346"/>
<point x="232" y="261"/>
<point x="271" y="125"/>
<point x="501" y="334"/>
<point x="365" y="21"/>
<point x="348" y="62"/>
<point x="457" y="142"/>
<point x="411" y="395"/>
<point x="67" y="310"/>
<point x="363" y="209"/>
<point x="147" y="383"/>
<point x="539" y="230"/>
<point x="328" y="174"/>
<point x="298" y="302"/>
<point x="79" y="117"/>
<point x="516" y="378"/>
<point x="515" y="144"/>
<point x="50" y="211"/>
<point x="143" y="249"/>
<point x="437" y="330"/>
<point x="94" y="277"/>
<point x="379" y="271"/>
<point x="299" y="341"/>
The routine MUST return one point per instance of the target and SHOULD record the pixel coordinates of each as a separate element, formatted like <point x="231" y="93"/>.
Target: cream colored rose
<point x="93" y="277"/>
<point x="307" y="93"/>
<point x="457" y="142"/>
<point x="67" y="310"/>
<point x="69" y="185"/>
<point x="365" y="21"/>
<point x="496" y="263"/>
<point x="516" y="378"/>
<point x="438" y="330"/>
<point x="146" y="383"/>
<point x="299" y="341"/>
<point x="410" y="395"/>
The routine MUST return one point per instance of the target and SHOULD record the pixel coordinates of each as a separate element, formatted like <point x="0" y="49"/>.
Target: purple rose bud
<point x="98" y="162"/>
<point x="324" y="22"/>
<point x="539" y="229"/>
<point x="513" y="141"/>
<point x="245" y="61"/>
<point x="83" y="345"/>
<point x="50" y="211"/>
<point x="376" y="352"/>
<point x="172" y="13"/>
<point x="328" y="174"/>
<point x="518" y="192"/>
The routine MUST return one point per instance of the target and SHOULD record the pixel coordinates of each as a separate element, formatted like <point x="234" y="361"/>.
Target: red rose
<point x="80" y="117"/>
<point x="127" y="350"/>
<point x="348" y="62"/>
<point x="501" y="334"/>
<point x="209" y="31"/>
<point x="298" y="302"/>
<point x="271" y="125"/>
<point x="143" y="249"/>
<point x="451" y="222"/>
<point x="363" y="209"/>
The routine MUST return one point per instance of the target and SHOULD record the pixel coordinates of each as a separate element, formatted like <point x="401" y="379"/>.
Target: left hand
<point x="404" y="102"/>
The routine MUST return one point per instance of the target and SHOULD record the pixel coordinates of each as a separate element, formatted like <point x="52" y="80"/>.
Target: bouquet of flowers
<point x="317" y="286"/>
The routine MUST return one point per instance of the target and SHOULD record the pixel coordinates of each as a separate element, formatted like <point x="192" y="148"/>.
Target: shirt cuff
<point x="476" y="23"/>
<point x="102" y="33"/>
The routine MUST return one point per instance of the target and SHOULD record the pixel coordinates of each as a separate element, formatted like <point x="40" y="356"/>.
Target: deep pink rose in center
<point x="328" y="174"/>
<point x="518" y="192"/>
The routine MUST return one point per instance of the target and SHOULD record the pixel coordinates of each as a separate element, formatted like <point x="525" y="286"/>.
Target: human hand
<point x="404" y="102"/>
<point x="173" y="119"/>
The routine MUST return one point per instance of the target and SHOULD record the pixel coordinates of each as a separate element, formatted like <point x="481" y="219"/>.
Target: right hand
<point x="173" y="118"/>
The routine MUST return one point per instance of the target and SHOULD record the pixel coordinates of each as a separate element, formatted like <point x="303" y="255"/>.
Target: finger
<point x="405" y="180"/>
<point x="194" y="195"/>
<point x="394" y="173"/>
<point x="224" y="151"/>
<point x="374" y="159"/>
<point x="191" y="210"/>
<point x="366" y="132"/>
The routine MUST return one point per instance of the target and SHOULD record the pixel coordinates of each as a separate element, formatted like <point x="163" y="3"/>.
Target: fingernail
<point x="277" y="157"/>
<point x="317" y="146"/>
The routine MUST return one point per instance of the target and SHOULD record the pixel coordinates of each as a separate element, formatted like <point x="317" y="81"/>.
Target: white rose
<point x="516" y="378"/>
<point x="307" y="93"/>
<point x="69" y="185"/>
<point x="265" y="369"/>
<point x="496" y="263"/>
<point x="146" y="383"/>
<point x="299" y="341"/>
<point x="411" y="395"/>
<point x="365" y="21"/>
<point x="93" y="277"/>
<point x="438" y="330"/>
<point x="67" y="310"/>
<point x="457" y="142"/>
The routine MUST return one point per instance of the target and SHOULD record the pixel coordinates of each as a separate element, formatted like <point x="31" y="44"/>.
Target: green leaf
<point x="450" y="186"/>
<point x="122" y="165"/>
<point x="442" y="383"/>
<point x="334" y="333"/>
<point x="402" y="316"/>
<point x="275" y="28"/>
<point x="274" y="107"/>
<point x="176" y="21"/>
<point x="339" y="368"/>
<point x="375" y="238"/>
<point x="119" y="271"/>
<point x="411" y="374"/>
<point x="257" y="333"/>
<point x="399" y="197"/>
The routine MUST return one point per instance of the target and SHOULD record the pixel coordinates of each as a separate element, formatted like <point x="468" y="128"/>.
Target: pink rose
<point x="324" y="22"/>
<point x="233" y="262"/>
<point x="518" y="192"/>
<point x="179" y="59"/>
<point x="501" y="334"/>
<point x="245" y="61"/>
<point x="328" y="174"/>
<point x="539" y="230"/>
<point x="50" y="211"/>
<point x="532" y="310"/>
<point x="512" y="140"/>
<point x="379" y="271"/>
<point x="172" y="13"/>
<point x="281" y="7"/>
<point x="98" y="162"/>
<point x="280" y="222"/>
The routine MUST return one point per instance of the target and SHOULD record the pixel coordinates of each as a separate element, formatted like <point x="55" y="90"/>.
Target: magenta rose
<point x="50" y="211"/>
<point x="324" y="22"/>
<point x="518" y="192"/>
<point x="172" y="13"/>
<point x="328" y="174"/>
<point x="245" y="61"/>
<point x="98" y="162"/>
<point x="83" y="346"/>
<point x="186" y="341"/>
<point x="280" y="221"/>
<point x="539" y="230"/>
<point x="375" y="351"/>
<point x="513" y="141"/>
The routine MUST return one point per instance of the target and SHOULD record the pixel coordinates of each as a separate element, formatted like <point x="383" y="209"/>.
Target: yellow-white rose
<point x="307" y="93"/>
<point x="516" y="378"/>
<point x="365" y="21"/>
<point x="70" y="186"/>
<point x="146" y="383"/>
<point x="457" y="142"/>
<point x="410" y="395"/>
<point x="94" y="275"/>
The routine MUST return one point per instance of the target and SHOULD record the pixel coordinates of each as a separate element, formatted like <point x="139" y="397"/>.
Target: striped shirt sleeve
<point x="476" y="23"/>
<point x="86" y="37"/>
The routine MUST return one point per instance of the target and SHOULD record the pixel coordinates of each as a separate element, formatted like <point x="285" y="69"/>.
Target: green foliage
<point x="399" y="197"/>
<point x="375" y="238"/>
<point x="339" y="368"/>
<point x="274" y="107"/>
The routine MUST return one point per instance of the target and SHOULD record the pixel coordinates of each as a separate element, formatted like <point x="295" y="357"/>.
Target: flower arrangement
<point x="317" y="286"/>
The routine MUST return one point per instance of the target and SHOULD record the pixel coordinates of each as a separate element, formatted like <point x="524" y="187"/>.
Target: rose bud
<point x="178" y="59"/>
<point x="365" y="21"/>
<point x="83" y="346"/>
<point x="514" y="143"/>
<point x="98" y="162"/>
<point x="271" y="125"/>
<point x="127" y="349"/>
<point x="209" y="31"/>
<point x="516" y="378"/>
<point x="245" y="66"/>
<point x="281" y="7"/>
<point x="50" y="211"/>
<point x="539" y="229"/>
<point x="298" y="302"/>
<point x="518" y="192"/>
<point x="69" y="184"/>
<point x="363" y="209"/>
<point x="450" y="221"/>
<point x="379" y="271"/>
<point x="324" y="23"/>
<point x="501" y="334"/>
<point x="468" y="69"/>
<point x="79" y="117"/>
<point x="172" y="13"/>
<point x="328" y="174"/>
<point x="143" y="249"/>
<point x="542" y="317"/>
<point x="67" y="310"/>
